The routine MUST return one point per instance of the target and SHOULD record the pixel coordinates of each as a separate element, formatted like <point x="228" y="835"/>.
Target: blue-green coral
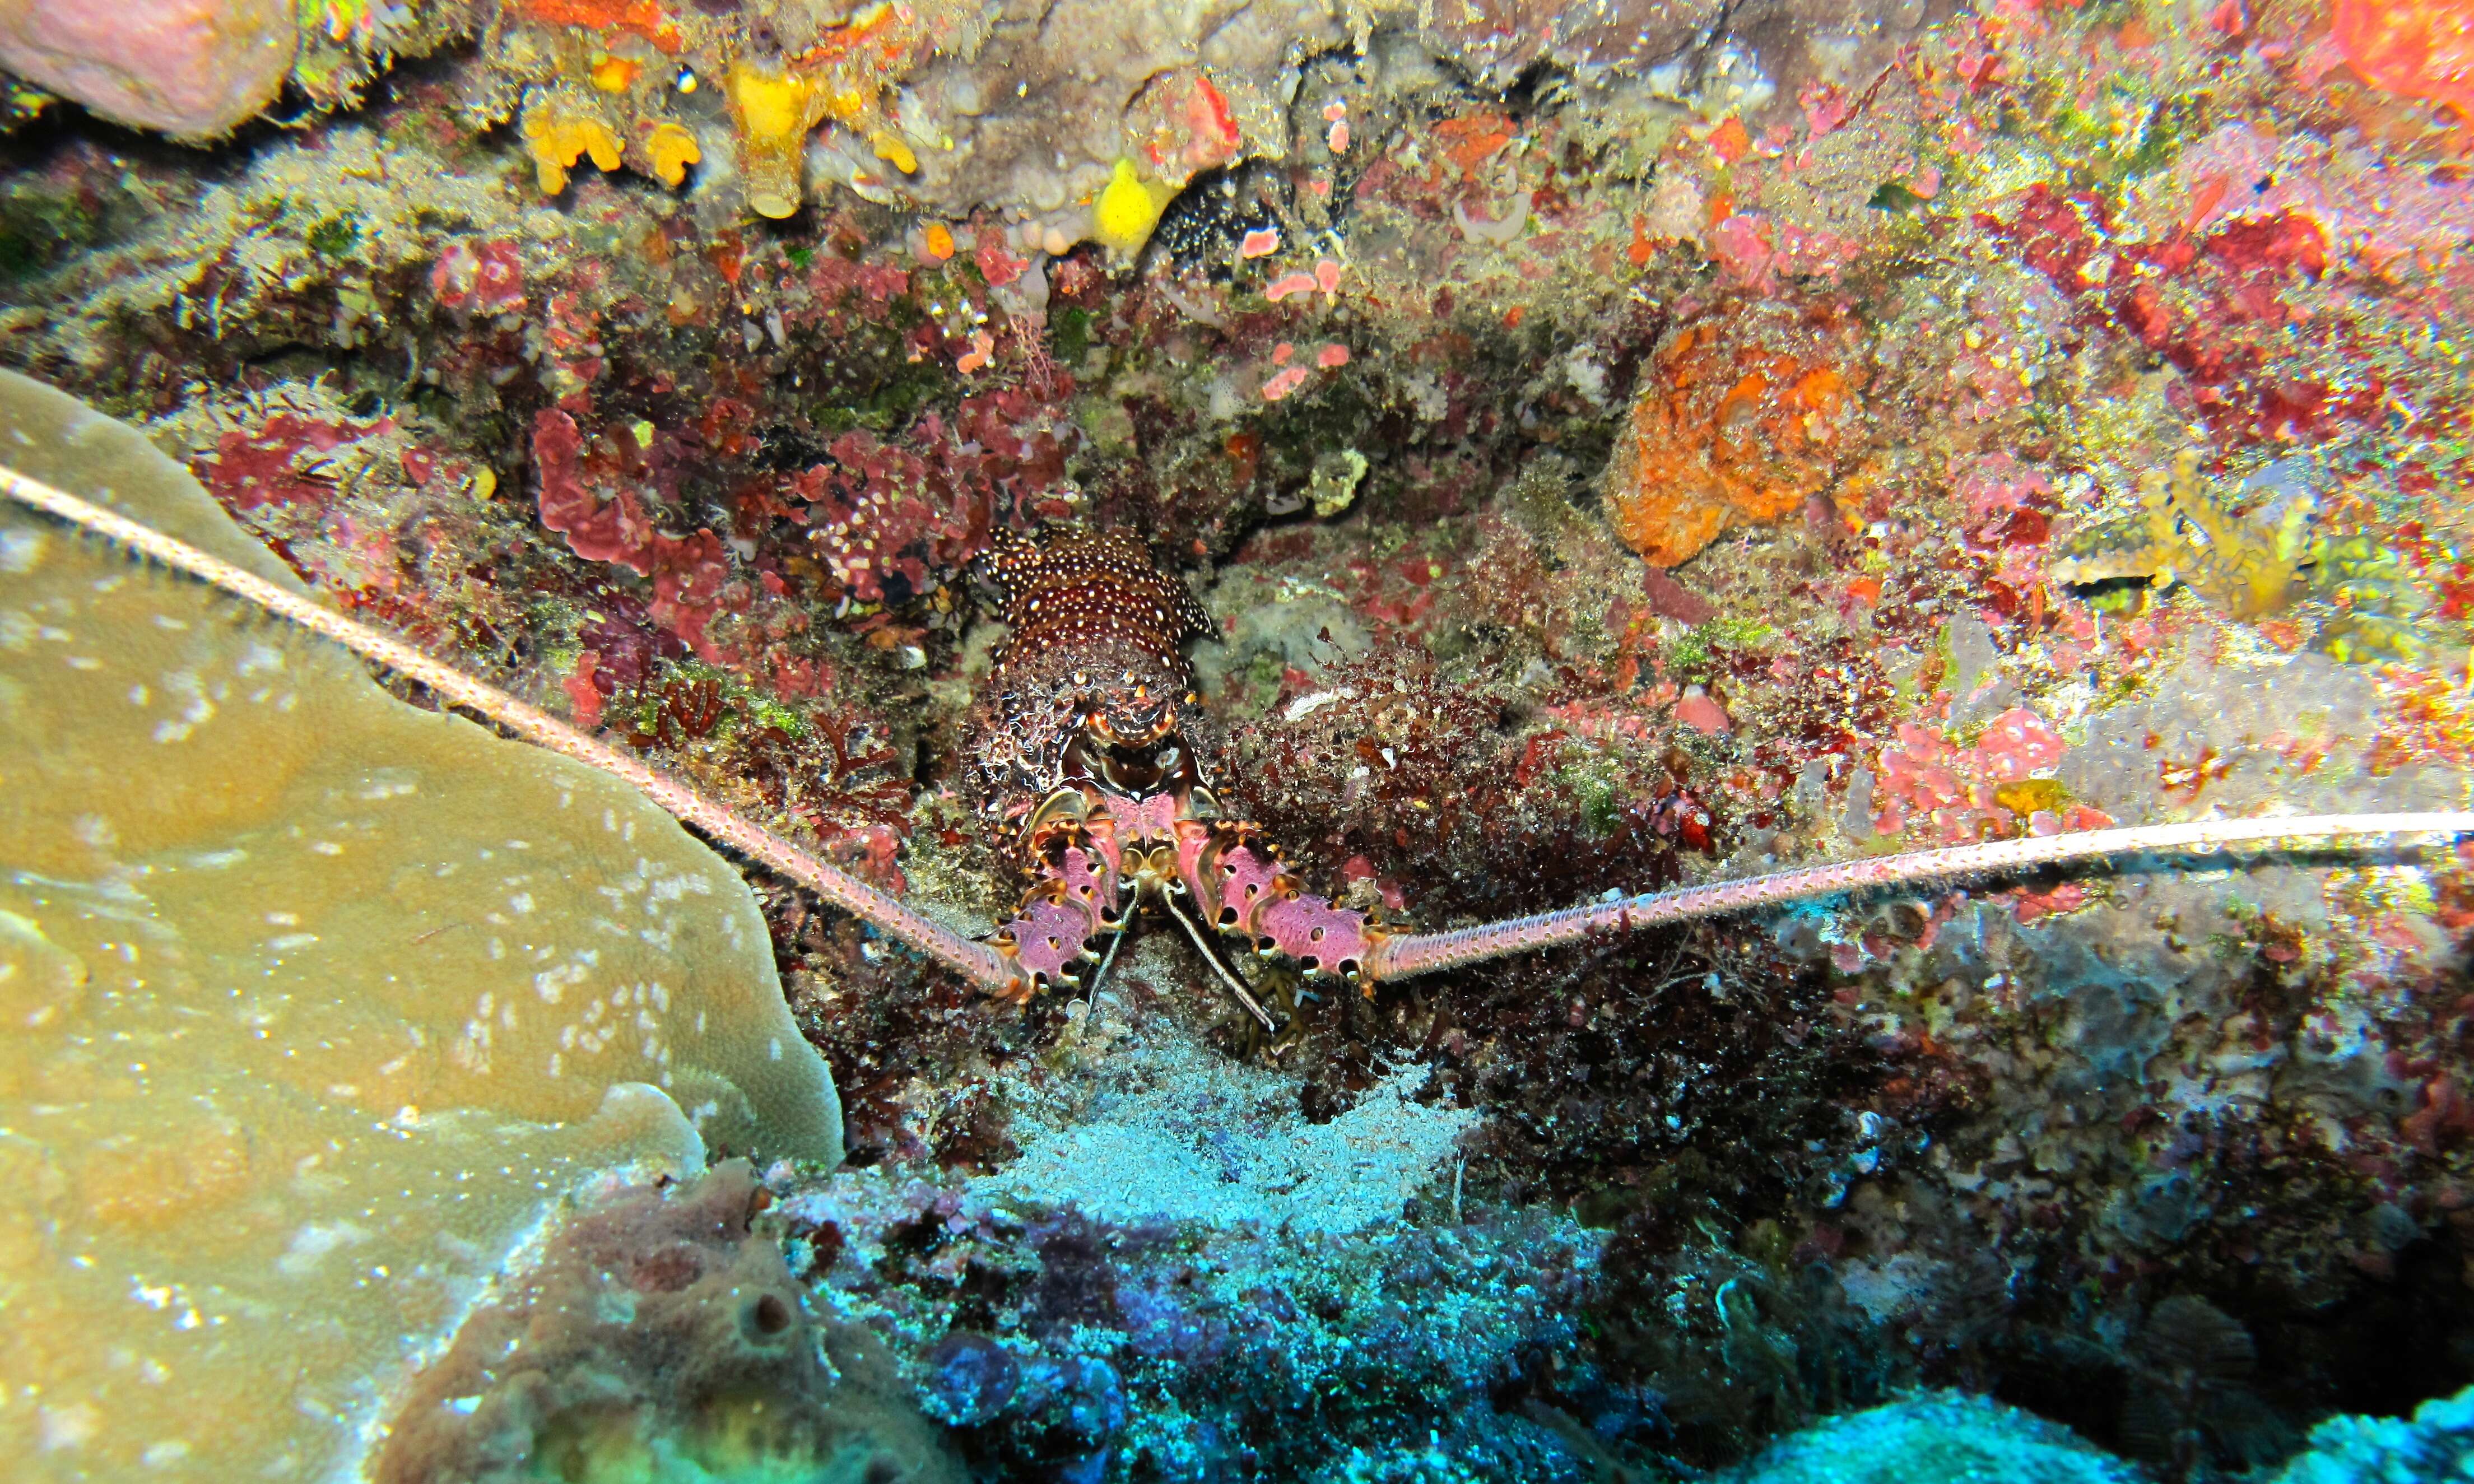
<point x="1936" y="1437"/>
<point x="2437" y="1444"/>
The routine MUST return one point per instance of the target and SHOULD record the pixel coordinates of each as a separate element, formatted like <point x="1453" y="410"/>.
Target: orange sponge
<point x="1746" y="414"/>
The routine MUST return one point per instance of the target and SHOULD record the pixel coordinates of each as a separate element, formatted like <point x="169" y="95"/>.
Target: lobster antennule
<point x="980" y="962"/>
<point x="1400" y="956"/>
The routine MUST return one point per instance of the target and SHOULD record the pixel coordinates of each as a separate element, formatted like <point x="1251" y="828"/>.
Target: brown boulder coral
<point x="658" y="1333"/>
<point x="1749" y="411"/>
<point x="191" y="68"/>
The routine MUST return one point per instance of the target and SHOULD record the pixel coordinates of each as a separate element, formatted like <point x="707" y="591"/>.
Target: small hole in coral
<point x="769" y="1315"/>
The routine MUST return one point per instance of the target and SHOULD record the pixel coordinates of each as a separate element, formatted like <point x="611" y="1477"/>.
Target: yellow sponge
<point x="1121" y="219"/>
<point x="558" y="138"/>
<point x="775" y="108"/>
<point x="671" y="149"/>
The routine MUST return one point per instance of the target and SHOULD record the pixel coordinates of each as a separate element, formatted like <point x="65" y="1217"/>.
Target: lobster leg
<point x="1108" y="961"/>
<point x="1227" y="976"/>
<point x="1241" y="888"/>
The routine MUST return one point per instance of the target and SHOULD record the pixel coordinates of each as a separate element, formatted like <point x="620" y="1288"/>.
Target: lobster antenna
<point x="979" y="962"/>
<point x="1426" y="952"/>
<point x="1393" y="958"/>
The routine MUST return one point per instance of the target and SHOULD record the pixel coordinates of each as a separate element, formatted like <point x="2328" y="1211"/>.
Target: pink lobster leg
<point x="1242" y="887"/>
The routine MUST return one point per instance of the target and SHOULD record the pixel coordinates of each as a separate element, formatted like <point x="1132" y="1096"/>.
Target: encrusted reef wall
<point x="1617" y="444"/>
<point x="653" y="1334"/>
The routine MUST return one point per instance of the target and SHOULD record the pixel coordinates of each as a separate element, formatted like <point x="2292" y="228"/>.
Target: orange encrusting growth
<point x="2415" y="48"/>
<point x="641" y="17"/>
<point x="1726" y="433"/>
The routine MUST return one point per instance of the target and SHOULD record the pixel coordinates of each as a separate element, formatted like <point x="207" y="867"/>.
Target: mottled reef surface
<point x="1616" y="444"/>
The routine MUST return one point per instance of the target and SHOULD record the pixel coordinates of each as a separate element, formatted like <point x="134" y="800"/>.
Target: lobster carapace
<point x="1090" y="745"/>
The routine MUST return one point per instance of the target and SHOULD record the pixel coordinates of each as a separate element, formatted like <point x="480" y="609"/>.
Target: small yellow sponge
<point x="671" y="149"/>
<point x="557" y="140"/>
<point x="1125" y="212"/>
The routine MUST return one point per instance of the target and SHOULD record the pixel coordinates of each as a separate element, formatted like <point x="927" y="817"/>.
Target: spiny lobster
<point x="1091" y="741"/>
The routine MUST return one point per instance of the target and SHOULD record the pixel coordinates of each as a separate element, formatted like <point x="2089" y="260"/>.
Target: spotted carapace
<point x="1091" y="747"/>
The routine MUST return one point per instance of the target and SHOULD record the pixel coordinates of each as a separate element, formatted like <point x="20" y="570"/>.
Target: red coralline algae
<point x="616" y="531"/>
<point x="2209" y="306"/>
<point x="872" y="516"/>
<point x="837" y="279"/>
<point x="1188" y="124"/>
<point x="1697" y="711"/>
<point x="687" y="575"/>
<point x="1743" y="246"/>
<point x="1968" y="794"/>
<point x="893" y="520"/>
<point x="687" y="572"/>
<point x="2018" y="744"/>
<point x="2371" y="213"/>
<point x="573" y="336"/>
<point x="997" y="266"/>
<point x="583" y="695"/>
<point x="277" y="464"/>
<point x="478" y="276"/>
<point x="1284" y="383"/>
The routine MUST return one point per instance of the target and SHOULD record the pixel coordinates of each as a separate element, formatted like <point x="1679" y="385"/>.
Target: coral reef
<point x="1932" y="1439"/>
<point x="2432" y="1445"/>
<point x="1223" y="1274"/>
<point x="1616" y="445"/>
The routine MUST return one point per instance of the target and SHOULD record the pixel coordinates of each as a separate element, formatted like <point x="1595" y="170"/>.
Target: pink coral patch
<point x="2019" y="743"/>
<point x="617" y="531"/>
<point x="1286" y="382"/>
<point x="1697" y="711"/>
